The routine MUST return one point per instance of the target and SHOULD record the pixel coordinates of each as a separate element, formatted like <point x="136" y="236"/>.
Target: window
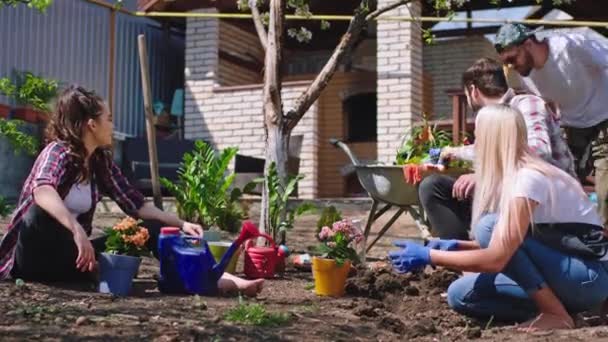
<point x="361" y="117"/>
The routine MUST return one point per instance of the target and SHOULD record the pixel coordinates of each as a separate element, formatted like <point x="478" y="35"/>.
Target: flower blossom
<point x="325" y="233"/>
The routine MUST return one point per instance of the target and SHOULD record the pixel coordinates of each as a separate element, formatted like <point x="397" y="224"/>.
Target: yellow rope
<point x="380" y="18"/>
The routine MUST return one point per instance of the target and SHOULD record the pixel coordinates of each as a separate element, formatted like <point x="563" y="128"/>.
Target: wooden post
<point x="150" y="128"/>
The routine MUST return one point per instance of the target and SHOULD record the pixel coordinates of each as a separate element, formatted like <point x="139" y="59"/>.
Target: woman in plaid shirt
<point x="47" y="239"/>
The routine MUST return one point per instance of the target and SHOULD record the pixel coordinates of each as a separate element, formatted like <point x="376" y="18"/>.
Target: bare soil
<point x="379" y="306"/>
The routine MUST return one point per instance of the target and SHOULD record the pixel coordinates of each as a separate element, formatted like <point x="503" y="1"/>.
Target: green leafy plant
<point x="203" y="190"/>
<point x="127" y="238"/>
<point x="282" y="216"/>
<point x="40" y="5"/>
<point x="422" y="138"/>
<point x="5" y="208"/>
<point x="337" y="242"/>
<point x="329" y="215"/>
<point x="419" y="140"/>
<point x="255" y="314"/>
<point x="20" y="141"/>
<point x="30" y="90"/>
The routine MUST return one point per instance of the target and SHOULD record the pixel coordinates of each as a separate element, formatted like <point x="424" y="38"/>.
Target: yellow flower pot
<point x="329" y="278"/>
<point x="218" y="248"/>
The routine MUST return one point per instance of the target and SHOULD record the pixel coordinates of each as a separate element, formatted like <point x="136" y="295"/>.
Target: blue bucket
<point x="116" y="273"/>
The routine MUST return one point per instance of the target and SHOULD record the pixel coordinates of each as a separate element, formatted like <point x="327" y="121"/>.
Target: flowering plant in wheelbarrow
<point x="422" y="145"/>
<point x="336" y="252"/>
<point x="125" y="244"/>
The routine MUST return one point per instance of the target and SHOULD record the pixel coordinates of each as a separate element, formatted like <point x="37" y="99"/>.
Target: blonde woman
<point x="540" y="249"/>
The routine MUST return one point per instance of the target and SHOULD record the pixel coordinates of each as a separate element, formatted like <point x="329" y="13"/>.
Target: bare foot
<point x="546" y="321"/>
<point x="251" y="288"/>
<point x="230" y="284"/>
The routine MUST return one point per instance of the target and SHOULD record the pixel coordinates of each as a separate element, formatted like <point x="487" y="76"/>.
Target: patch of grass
<point x="310" y="308"/>
<point x="309" y="286"/>
<point x="28" y="310"/>
<point x="255" y="314"/>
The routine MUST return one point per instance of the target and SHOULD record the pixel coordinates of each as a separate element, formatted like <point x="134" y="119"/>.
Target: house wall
<point x="232" y="116"/>
<point x="444" y="63"/>
<point x="332" y="124"/>
<point x="241" y="44"/>
<point x="399" y="70"/>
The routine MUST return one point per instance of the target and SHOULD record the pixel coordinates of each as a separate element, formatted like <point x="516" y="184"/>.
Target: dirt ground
<point x="379" y="306"/>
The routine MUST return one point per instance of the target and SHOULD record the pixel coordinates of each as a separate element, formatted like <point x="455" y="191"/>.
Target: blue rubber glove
<point x="438" y="244"/>
<point x="411" y="257"/>
<point x="443" y="245"/>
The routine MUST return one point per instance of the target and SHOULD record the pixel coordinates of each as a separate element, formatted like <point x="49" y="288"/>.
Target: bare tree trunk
<point x="276" y="147"/>
<point x="277" y="125"/>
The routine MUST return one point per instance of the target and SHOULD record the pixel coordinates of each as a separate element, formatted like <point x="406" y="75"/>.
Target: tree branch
<point x="386" y="8"/>
<point x="313" y="92"/>
<point x="257" y="22"/>
<point x="273" y="106"/>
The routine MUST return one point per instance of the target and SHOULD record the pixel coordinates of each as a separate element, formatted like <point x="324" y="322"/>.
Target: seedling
<point x="255" y="314"/>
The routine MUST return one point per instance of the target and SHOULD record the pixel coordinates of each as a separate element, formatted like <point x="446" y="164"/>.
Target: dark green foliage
<point x="203" y="191"/>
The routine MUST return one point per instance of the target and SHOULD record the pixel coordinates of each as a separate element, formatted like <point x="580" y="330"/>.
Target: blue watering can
<point x="187" y="265"/>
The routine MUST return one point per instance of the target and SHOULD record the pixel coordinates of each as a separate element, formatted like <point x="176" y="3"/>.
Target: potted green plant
<point x="203" y="190"/>
<point x="282" y="214"/>
<point x="125" y="244"/>
<point x="336" y="253"/>
<point x="32" y="93"/>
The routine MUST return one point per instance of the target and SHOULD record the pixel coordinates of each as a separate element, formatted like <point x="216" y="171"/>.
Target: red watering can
<point x="260" y="261"/>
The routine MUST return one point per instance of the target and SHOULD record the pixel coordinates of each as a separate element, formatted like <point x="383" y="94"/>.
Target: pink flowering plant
<point x="338" y="242"/>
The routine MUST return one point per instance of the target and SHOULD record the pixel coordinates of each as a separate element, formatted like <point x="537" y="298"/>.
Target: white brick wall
<point x="447" y="72"/>
<point x="399" y="67"/>
<point x="234" y="117"/>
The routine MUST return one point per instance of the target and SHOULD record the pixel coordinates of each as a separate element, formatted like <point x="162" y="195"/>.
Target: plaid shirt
<point x="544" y="134"/>
<point x="54" y="167"/>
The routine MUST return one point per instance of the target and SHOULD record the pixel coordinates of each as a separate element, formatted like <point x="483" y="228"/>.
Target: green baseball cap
<point x="512" y="35"/>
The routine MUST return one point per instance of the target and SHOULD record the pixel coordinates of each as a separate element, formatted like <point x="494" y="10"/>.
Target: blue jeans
<point x="580" y="284"/>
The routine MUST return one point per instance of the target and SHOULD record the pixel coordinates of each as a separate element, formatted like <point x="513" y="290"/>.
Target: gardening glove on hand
<point x="411" y="257"/>
<point x="443" y="245"/>
<point x="438" y="244"/>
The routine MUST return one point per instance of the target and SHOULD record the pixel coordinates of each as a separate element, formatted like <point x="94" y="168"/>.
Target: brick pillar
<point x="399" y="68"/>
<point x="202" y="61"/>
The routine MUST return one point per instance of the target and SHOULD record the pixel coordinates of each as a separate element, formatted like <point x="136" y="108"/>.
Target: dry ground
<point x="380" y="306"/>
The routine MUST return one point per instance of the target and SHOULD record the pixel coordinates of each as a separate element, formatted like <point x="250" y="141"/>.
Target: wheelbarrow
<point x="387" y="187"/>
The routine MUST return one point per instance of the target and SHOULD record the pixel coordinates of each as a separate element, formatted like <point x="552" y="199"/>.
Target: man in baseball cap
<point x="509" y="44"/>
<point x="570" y="69"/>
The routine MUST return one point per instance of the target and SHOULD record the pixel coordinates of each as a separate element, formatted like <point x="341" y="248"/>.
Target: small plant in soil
<point x="337" y="242"/>
<point x="282" y="216"/>
<point x="255" y="314"/>
<point x="30" y="310"/>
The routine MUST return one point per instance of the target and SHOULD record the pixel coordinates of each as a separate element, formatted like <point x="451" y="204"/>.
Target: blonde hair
<point x="501" y="150"/>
